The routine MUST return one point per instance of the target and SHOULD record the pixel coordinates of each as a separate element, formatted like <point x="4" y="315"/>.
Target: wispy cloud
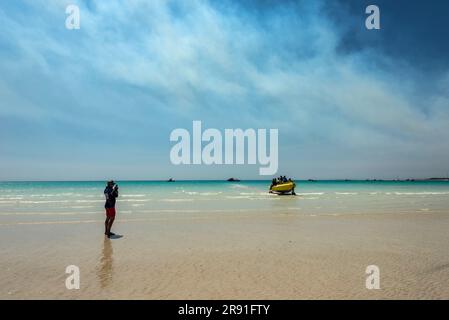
<point x="112" y="91"/>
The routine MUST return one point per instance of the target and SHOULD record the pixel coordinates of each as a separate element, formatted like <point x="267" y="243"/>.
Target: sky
<point x="100" y="102"/>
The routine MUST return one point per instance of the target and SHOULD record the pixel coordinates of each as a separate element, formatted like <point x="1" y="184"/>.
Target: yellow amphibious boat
<point x="284" y="187"/>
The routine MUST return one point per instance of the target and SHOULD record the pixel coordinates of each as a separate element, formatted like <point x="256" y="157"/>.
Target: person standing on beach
<point x="110" y="193"/>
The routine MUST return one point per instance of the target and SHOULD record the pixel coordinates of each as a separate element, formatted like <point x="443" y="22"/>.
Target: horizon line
<point x="239" y="180"/>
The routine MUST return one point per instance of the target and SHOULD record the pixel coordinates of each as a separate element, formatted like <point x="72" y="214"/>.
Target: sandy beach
<point x="241" y="255"/>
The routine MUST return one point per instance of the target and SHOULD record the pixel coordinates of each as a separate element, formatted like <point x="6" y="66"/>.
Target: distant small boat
<point x="284" y="187"/>
<point x="233" y="180"/>
<point x="171" y="180"/>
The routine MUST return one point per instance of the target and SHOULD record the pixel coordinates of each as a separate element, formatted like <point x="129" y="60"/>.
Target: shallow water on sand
<point x="223" y="240"/>
<point x="22" y="201"/>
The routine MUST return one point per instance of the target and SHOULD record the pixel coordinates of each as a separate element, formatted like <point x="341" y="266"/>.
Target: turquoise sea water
<point x="29" y="199"/>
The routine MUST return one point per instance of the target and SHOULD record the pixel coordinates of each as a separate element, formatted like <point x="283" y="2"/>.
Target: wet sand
<point x="264" y="255"/>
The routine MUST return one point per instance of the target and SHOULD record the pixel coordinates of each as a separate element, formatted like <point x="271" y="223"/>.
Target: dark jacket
<point x="110" y="194"/>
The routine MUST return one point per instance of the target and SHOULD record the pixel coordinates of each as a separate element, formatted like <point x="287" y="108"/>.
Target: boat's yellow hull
<point x="284" y="187"/>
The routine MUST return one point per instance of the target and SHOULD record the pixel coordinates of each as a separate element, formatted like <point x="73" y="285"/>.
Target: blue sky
<point x="101" y="101"/>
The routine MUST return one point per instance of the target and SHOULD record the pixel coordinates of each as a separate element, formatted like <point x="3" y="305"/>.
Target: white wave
<point x="311" y="193"/>
<point x="419" y="193"/>
<point x="239" y="186"/>
<point x="257" y="194"/>
<point x="133" y="195"/>
<point x="347" y="193"/>
<point x="176" y="200"/>
<point x="44" y="201"/>
<point x="51" y="201"/>
<point x="64" y="194"/>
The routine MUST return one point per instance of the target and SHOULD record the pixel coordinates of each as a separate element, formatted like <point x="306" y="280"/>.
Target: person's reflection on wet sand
<point x="104" y="272"/>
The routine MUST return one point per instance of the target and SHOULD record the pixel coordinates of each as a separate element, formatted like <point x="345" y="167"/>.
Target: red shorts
<point x="110" y="212"/>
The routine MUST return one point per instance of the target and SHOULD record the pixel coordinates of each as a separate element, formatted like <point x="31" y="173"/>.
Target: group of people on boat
<point x="280" y="181"/>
